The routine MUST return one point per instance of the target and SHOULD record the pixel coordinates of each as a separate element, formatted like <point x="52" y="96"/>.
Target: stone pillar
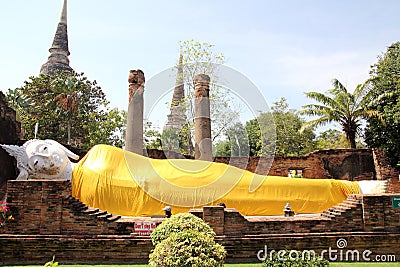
<point x="202" y="121"/>
<point x="134" y="124"/>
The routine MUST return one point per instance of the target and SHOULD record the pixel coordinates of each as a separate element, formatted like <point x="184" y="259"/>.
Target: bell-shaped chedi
<point x="59" y="52"/>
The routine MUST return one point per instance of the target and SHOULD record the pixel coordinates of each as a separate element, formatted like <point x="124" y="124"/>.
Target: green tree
<point x="332" y="139"/>
<point x="289" y="140"/>
<point x="152" y="137"/>
<point x="385" y="81"/>
<point x="170" y="140"/>
<point x="222" y="148"/>
<point x="339" y="105"/>
<point x="109" y="128"/>
<point x="67" y="97"/>
<point x="254" y="136"/>
<point x="200" y="58"/>
<point x="286" y="140"/>
<point x="237" y="143"/>
<point x="68" y="108"/>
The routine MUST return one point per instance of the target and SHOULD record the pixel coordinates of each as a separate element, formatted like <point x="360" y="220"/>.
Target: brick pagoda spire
<point x="58" y="59"/>
<point x="177" y="118"/>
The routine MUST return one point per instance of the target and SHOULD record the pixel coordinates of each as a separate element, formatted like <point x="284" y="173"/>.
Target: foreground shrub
<point x="52" y="263"/>
<point x="185" y="240"/>
<point x="292" y="258"/>
<point x="178" y="223"/>
<point x="188" y="248"/>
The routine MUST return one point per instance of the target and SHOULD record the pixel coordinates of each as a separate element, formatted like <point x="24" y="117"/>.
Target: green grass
<point x="361" y="264"/>
<point x="333" y="264"/>
<point x="139" y="265"/>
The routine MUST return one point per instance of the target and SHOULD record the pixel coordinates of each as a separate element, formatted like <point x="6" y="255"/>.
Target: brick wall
<point x="379" y="214"/>
<point x="129" y="250"/>
<point x="10" y="133"/>
<point x="386" y="172"/>
<point x="345" y="164"/>
<point x="245" y="249"/>
<point x="48" y="221"/>
<point x="38" y="249"/>
<point x="360" y="213"/>
<point x="46" y="207"/>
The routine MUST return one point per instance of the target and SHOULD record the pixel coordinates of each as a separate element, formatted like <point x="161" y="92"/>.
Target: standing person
<point x="168" y="211"/>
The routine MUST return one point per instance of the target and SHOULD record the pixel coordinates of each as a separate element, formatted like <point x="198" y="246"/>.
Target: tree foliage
<point x="290" y="141"/>
<point x="286" y="140"/>
<point x="68" y="108"/>
<point x="254" y="136"/>
<point x="152" y="137"/>
<point x="200" y="58"/>
<point x="339" y="105"/>
<point x="333" y="139"/>
<point x="237" y="143"/>
<point x="385" y="80"/>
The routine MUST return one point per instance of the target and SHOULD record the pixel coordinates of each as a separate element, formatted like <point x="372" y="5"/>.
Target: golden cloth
<point x="125" y="183"/>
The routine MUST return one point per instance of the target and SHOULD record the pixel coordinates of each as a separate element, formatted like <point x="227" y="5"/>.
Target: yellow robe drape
<point x="128" y="184"/>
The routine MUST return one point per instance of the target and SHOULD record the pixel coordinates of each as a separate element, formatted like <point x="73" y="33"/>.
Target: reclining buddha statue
<point x="129" y="184"/>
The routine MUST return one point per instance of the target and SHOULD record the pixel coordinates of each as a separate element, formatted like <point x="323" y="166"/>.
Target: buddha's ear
<point x="68" y="152"/>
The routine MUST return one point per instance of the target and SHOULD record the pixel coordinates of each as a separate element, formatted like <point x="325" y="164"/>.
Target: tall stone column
<point x="134" y="124"/>
<point x="202" y="121"/>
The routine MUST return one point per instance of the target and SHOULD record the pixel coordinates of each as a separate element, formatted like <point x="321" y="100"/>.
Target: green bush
<point x="178" y="223"/>
<point x="52" y="263"/>
<point x="290" y="259"/>
<point x="188" y="248"/>
<point x="185" y="240"/>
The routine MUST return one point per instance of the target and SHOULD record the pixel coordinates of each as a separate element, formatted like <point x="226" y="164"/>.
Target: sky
<point x="285" y="48"/>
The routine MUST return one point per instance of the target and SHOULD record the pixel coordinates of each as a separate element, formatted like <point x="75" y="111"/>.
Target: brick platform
<point x="48" y="221"/>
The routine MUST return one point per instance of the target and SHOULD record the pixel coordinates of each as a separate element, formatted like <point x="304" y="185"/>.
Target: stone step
<point x="105" y="216"/>
<point x="352" y="201"/>
<point x="348" y="206"/>
<point x="328" y="215"/>
<point x="340" y="208"/>
<point x="113" y="218"/>
<point x="90" y="210"/>
<point x="336" y="213"/>
<point x="79" y="205"/>
<point x="99" y="213"/>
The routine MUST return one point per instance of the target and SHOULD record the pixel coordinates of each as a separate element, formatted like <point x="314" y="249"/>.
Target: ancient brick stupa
<point x="177" y="119"/>
<point x="58" y="59"/>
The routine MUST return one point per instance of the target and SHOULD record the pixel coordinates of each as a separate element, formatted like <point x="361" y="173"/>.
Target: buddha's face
<point x="46" y="157"/>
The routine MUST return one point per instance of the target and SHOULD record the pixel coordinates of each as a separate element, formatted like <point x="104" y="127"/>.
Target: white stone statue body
<point x="42" y="159"/>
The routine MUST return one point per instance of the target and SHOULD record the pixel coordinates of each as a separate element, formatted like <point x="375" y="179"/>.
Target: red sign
<point x="144" y="228"/>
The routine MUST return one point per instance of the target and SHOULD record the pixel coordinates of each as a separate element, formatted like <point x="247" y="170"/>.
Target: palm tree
<point x="338" y="105"/>
<point x="67" y="99"/>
